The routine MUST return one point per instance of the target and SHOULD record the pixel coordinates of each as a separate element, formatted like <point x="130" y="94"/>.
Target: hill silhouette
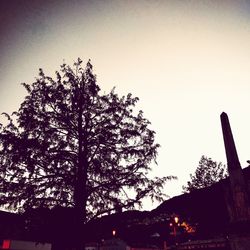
<point x="205" y="208"/>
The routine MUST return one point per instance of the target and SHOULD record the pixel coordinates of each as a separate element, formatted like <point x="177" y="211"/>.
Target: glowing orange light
<point x="188" y="227"/>
<point x="6" y="244"/>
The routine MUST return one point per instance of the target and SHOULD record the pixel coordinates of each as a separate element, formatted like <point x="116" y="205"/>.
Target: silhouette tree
<point x="207" y="173"/>
<point x="71" y="145"/>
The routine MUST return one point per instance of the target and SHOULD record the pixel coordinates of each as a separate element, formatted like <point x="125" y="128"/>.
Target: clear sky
<point x="187" y="61"/>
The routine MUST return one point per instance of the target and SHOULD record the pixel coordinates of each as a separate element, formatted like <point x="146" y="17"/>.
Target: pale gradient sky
<point x="186" y="60"/>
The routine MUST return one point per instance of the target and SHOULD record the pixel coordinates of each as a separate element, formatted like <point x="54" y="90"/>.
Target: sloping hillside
<point x="206" y="208"/>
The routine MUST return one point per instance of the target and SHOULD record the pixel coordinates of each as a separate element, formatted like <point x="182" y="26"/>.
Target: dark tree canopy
<point x="73" y="146"/>
<point x="207" y="173"/>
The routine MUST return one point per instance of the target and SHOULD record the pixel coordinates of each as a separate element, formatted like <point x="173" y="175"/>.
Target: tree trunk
<point x="81" y="180"/>
<point x="79" y="185"/>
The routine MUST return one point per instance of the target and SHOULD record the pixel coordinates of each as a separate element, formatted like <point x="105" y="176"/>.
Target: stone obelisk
<point x="239" y="211"/>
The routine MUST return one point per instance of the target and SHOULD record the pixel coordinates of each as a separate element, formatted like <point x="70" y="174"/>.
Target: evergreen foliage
<point x="70" y="145"/>
<point x="207" y="173"/>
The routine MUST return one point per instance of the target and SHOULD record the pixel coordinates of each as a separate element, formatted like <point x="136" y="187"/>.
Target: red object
<point x="6" y="244"/>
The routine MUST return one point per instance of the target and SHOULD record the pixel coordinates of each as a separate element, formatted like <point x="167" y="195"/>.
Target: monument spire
<point x="236" y="193"/>
<point x="240" y="202"/>
<point x="231" y="152"/>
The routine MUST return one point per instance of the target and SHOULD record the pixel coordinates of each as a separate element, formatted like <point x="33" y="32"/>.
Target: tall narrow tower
<point x="240" y="200"/>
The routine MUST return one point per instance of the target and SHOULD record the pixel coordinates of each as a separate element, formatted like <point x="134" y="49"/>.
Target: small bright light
<point x="113" y="232"/>
<point x="176" y="219"/>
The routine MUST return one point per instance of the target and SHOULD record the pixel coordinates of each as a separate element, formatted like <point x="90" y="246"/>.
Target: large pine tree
<point x="73" y="146"/>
